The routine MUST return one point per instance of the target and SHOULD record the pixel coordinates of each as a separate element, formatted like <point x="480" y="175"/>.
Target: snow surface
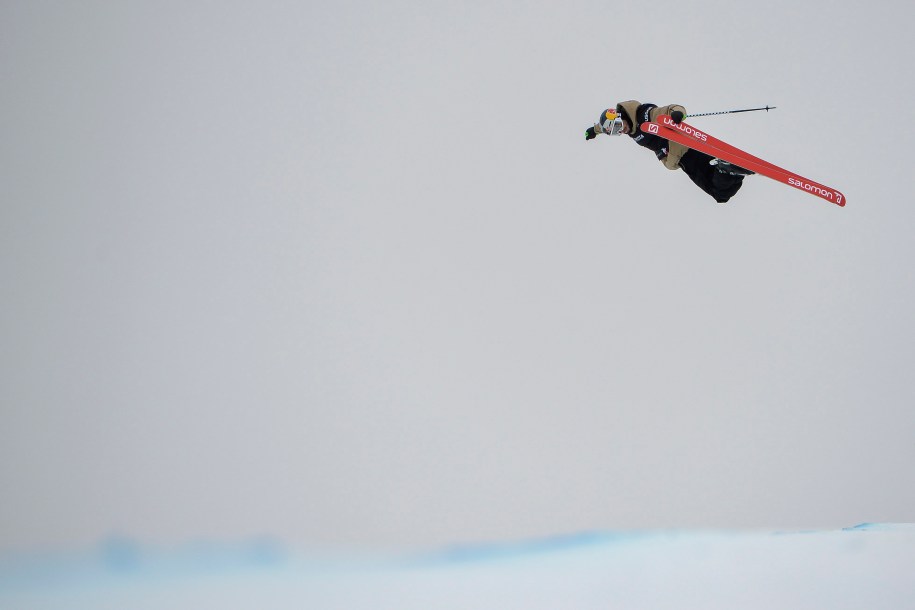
<point x="868" y="566"/>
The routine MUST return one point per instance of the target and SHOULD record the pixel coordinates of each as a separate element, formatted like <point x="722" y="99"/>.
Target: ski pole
<point x="767" y="109"/>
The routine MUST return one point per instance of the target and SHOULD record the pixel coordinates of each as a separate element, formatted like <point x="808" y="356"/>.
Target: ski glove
<point x="590" y="134"/>
<point x="677" y="116"/>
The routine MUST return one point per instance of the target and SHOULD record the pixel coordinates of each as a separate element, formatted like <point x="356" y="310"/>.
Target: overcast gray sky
<point x="347" y="273"/>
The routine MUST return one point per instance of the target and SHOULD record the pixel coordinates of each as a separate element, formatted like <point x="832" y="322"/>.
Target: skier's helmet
<point x="611" y="122"/>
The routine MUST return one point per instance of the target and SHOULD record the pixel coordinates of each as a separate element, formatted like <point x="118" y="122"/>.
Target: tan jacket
<point x="674" y="150"/>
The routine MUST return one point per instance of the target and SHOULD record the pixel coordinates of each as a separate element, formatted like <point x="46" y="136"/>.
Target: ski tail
<point x="696" y="139"/>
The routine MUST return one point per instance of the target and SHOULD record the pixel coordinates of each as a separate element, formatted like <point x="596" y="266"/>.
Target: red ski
<point x="699" y="140"/>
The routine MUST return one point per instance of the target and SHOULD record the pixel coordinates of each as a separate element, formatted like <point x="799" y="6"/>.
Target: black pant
<point x="719" y="185"/>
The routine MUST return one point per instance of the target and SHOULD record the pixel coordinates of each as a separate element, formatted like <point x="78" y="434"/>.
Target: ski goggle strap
<point x="611" y="122"/>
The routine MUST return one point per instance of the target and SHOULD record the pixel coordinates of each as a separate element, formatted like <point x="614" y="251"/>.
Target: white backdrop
<point x="348" y="274"/>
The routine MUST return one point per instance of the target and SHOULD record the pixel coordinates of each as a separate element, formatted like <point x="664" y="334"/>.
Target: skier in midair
<point x="718" y="178"/>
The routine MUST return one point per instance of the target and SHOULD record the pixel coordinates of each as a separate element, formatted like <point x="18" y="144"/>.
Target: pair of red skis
<point x="689" y="136"/>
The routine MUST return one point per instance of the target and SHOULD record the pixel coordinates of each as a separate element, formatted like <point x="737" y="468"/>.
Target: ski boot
<point x="729" y="168"/>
